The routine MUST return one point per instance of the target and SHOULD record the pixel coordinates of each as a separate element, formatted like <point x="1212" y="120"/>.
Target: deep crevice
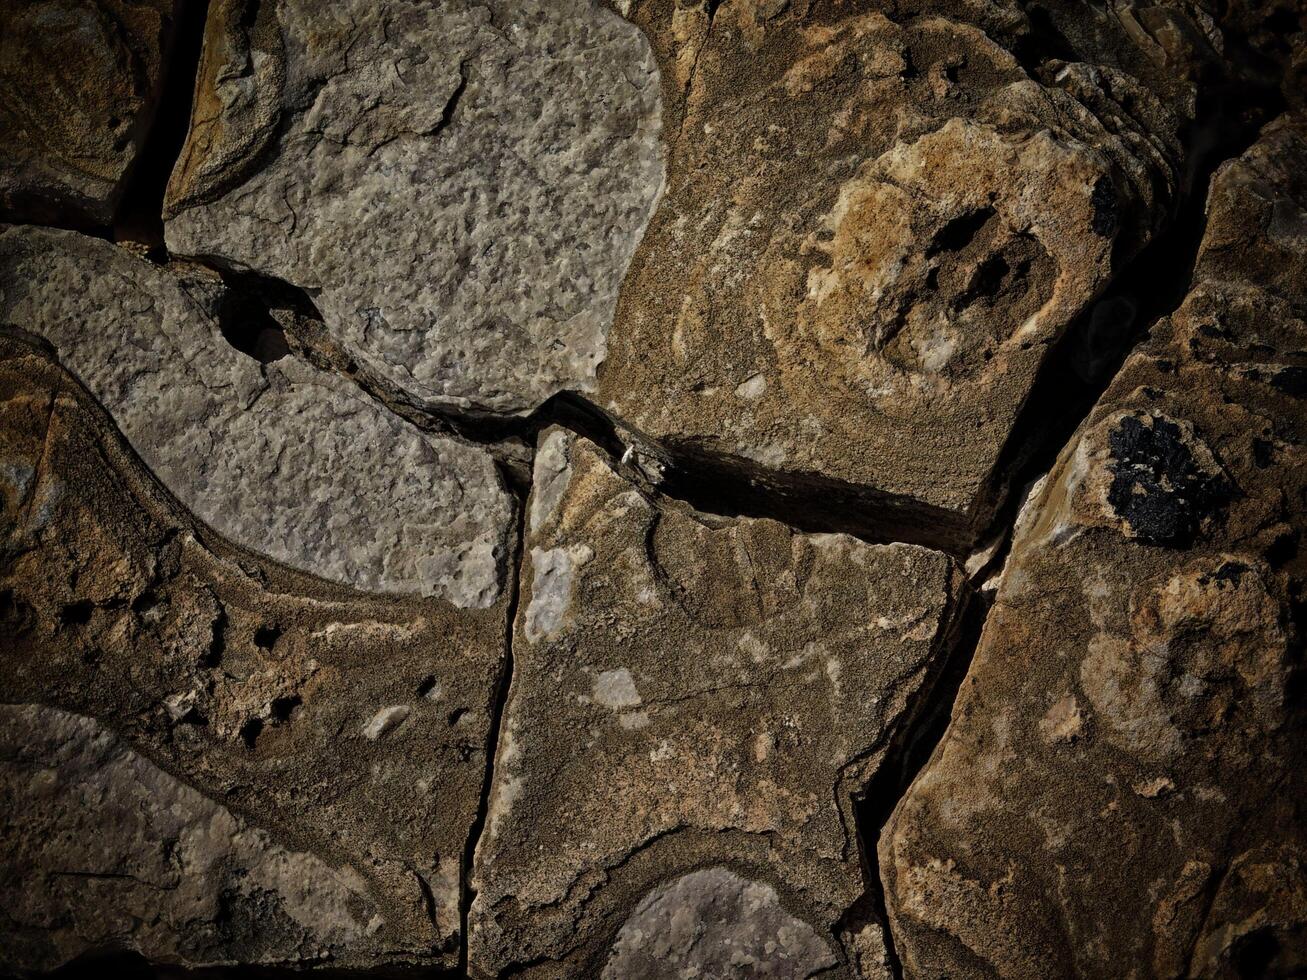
<point x="914" y="745"/>
<point x="139" y="215"/>
<point x="498" y="703"/>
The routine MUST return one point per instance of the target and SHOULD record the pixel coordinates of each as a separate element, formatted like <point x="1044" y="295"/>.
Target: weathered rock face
<point x="175" y="865"/>
<point x="874" y="230"/>
<point x="500" y="509"/>
<point x="330" y="746"/>
<point x="459" y="186"/>
<point x="286" y="460"/>
<point x="1121" y="790"/>
<point x="688" y="691"/>
<point x="79" y="83"/>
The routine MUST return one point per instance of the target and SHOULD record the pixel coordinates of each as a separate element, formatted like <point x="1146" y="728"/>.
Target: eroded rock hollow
<point x="653" y="489"/>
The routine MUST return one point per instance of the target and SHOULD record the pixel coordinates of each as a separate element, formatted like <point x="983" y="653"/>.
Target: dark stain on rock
<point x="1103" y="199"/>
<point x="1292" y="381"/>
<point x="1157" y="487"/>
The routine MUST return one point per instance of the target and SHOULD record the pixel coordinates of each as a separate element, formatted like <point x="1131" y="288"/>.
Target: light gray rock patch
<point x="715" y="925"/>
<point x="280" y="458"/>
<point x="552" y="571"/>
<point x="461" y="186"/>
<point x="102" y="847"/>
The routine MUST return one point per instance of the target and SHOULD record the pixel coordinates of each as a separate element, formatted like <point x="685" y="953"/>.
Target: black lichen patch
<point x="1158" y="488"/>
<point x="1103" y="199"/>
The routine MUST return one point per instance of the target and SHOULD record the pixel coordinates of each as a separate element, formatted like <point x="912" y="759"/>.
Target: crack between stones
<point x="499" y="702"/>
<point x="1045" y="427"/>
<point x="139" y="215"/>
<point x="909" y="751"/>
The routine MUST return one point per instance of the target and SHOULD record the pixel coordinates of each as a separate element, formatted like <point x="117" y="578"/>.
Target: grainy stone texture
<point x="281" y="458"/>
<point x="101" y="845"/>
<point x="79" y="83"/>
<point x="677" y="285"/>
<point x="713" y="924"/>
<point x="874" y="230"/>
<point x="1121" y="791"/>
<point x="459" y="186"/>
<point x="689" y="691"/>
<point x="234" y="763"/>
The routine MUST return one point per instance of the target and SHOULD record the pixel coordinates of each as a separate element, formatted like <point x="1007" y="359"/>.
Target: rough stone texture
<point x="1121" y="790"/>
<point x="79" y="83"/>
<point x="295" y="827"/>
<point x="875" y="229"/>
<point x="713" y="924"/>
<point x="689" y="691"/>
<point x="459" y="186"/>
<point x="708" y="278"/>
<point x="87" y="822"/>
<point x="281" y="458"/>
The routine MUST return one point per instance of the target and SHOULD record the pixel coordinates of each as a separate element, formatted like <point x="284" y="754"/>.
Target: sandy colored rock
<point x="459" y="187"/>
<point x="1120" y="792"/>
<point x="874" y="231"/>
<point x="281" y="458"/>
<point x="690" y="692"/>
<point x="79" y="84"/>
<point x="204" y="779"/>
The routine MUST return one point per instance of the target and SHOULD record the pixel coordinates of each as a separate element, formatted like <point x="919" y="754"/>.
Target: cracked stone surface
<point x="460" y="186"/>
<point x="1122" y="780"/>
<point x="191" y="759"/>
<point x="874" y="231"/>
<point x="653" y="489"/>
<point x="689" y="690"/>
<point x="281" y="458"/>
<point x="69" y="135"/>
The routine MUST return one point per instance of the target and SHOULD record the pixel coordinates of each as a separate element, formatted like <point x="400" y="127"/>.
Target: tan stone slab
<point x="282" y="458"/>
<point x="692" y="694"/>
<point x="459" y="185"/>
<point x="1121" y="789"/>
<point x="874" y="230"/>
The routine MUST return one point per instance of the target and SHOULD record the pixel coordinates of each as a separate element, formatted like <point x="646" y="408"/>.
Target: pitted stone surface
<point x="79" y="83"/>
<point x="281" y="458"/>
<point x="689" y="690"/>
<point x="875" y="229"/>
<point x="315" y="756"/>
<point x="1121" y="783"/>
<point x="459" y="186"/>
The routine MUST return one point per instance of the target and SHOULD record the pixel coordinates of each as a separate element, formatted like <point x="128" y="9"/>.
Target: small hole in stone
<point x="265" y="637"/>
<point x="958" y="233"/>
<point x="284" y="708"/>
<point x="456" y="715"/>
<point x="427" y="685"/>
<point x="77" y="613"/>
<point x="251" y="329"/>
<point x="144" y="602"/>
<point x="250" y="732"/>
<point x="1282" y="550"/>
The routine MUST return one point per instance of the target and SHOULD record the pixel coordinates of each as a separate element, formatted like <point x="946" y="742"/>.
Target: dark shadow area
<point x="139" y="217"/>
<point x="127" y="965"/>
